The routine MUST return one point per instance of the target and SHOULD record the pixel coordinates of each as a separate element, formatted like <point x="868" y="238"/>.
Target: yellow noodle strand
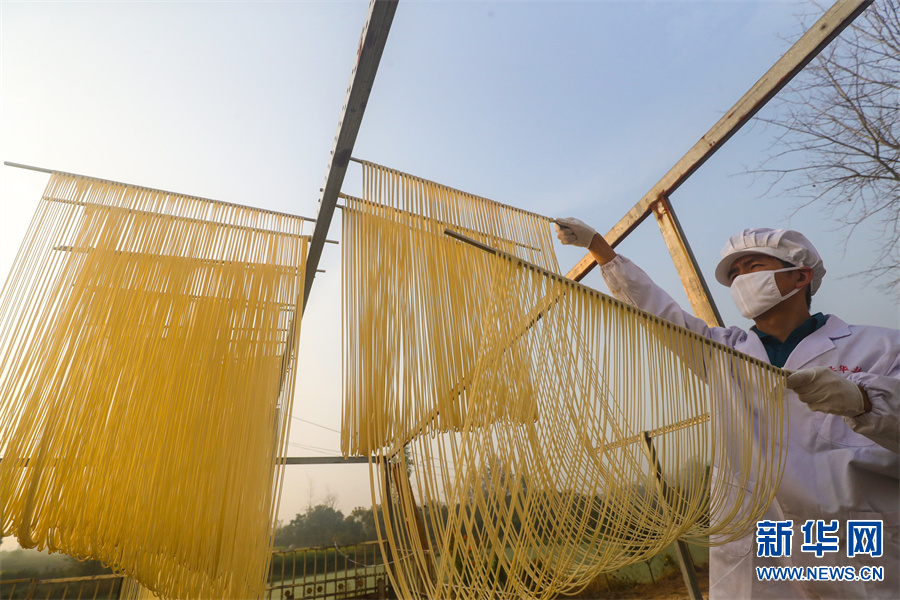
<point x="549" y="432"/>
<point x="143" y="395"/>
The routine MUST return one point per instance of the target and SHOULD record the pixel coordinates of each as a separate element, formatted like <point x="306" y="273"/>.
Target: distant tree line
<point x="324" y="525"/>
<point x="25" y="564"/>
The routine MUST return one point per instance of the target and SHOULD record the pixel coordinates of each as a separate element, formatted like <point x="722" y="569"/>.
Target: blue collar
<point x="779" y="351"/>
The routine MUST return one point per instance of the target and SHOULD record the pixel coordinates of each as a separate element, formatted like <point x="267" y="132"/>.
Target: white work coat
<point x="836" y="468"/>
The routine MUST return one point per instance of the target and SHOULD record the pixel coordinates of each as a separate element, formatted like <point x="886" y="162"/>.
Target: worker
<point x="843" y="410"/>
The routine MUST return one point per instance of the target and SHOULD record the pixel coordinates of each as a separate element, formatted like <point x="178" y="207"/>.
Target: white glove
<point x="826" y="391"/>
<point x="574" y="232"/>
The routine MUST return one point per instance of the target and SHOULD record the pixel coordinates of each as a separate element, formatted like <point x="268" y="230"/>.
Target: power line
<point x="316" y="424"/>
<point x="318" y="449"/>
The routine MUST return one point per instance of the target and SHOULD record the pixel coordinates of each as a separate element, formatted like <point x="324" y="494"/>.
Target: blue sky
<point x="566" y="109"/>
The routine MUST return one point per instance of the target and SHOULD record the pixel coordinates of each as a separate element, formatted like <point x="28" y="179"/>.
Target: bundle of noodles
<point x="582" y="429"/>
<point x="409" y="301"/>
<point x="146" y="382"/>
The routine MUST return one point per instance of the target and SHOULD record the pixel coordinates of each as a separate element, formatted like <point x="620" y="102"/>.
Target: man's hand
<point x="573" y="232"/>
<point x="826" y="391"/>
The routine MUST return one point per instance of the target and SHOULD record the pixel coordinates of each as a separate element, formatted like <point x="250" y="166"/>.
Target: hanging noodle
<point x="526" y="432"/>
<point x="145" y="389"/>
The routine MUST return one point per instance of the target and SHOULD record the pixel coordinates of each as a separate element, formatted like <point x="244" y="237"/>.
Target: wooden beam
<point x="835" y="20"/>
<point x="695" y="287"/>
<point x="371" y="47"/>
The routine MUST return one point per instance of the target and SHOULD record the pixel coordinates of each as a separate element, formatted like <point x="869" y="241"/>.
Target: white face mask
<point x="755" y="293"/>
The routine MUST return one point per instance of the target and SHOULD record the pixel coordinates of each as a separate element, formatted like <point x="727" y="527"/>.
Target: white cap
<point x="784" y="244"/>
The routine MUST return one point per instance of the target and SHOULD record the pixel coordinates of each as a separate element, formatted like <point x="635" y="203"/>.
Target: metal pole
<point x="407" y="504"/>
<point x="322" y="460"/>
<point x="646" y="315"/>
<point x="681" y="549"/>
<point x="371" y="47"/>
<point x="386" y="497"/>
<point x="155" y="190"/>
<point x="26" y="167"/>
<point x="29" y="594"/>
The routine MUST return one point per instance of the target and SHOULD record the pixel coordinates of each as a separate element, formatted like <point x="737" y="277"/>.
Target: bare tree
<point x="838" y="147"/>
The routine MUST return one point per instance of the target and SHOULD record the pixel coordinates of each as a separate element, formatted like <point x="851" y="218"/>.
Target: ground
<point x="667" y="587"/>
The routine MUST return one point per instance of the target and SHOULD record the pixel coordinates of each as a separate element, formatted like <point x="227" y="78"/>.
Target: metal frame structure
<point x="371" y="47"/>
<point x="656" y="201"/>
